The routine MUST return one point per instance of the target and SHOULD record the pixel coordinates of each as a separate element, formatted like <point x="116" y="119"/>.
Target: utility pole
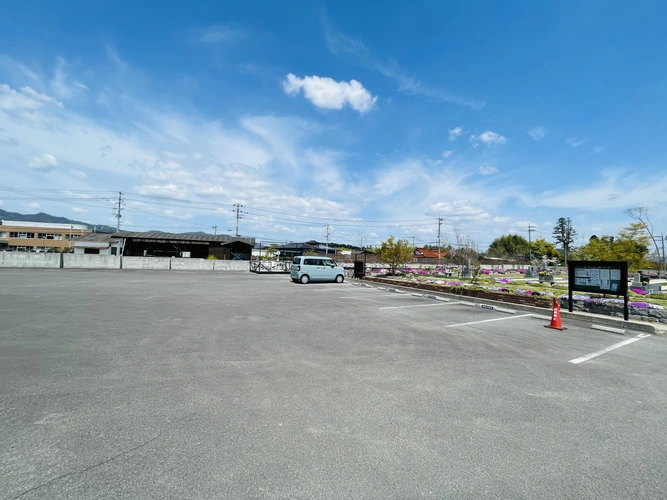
<point x="215" y="230"/>
<point x="662" y="237"/>
<point x="327" y="244"/>
<point x="413" y="240"/>
<point x="439" y="224"/>
<point x="530" y="244"/>
<point x="117" y="214"/>
<point x="238" y="216"/>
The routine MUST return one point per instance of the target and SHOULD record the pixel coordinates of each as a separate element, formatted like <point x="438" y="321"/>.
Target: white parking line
<point x="421" y="305"/>
<point x="368" y="296"/>
<point x="595" y="354"/>
<point x="487" y="320"/>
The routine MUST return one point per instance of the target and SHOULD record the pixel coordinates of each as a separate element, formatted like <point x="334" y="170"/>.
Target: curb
<point x="579" y="317"/>
<point x="606" y="328"/>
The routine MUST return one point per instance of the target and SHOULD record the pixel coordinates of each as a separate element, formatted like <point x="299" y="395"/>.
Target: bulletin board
<point x="605" y="277"/>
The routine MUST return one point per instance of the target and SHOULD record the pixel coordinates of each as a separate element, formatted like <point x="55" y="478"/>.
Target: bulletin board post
<point x="598" y="276"/>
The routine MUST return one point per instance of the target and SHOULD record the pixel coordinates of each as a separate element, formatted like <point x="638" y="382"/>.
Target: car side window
<point x="310" y="262"/>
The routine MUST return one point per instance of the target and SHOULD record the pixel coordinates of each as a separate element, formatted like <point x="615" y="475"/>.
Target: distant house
<point x="99" y="243"/>
<point x="290" y="250"/>
<point x="427" y="253"/>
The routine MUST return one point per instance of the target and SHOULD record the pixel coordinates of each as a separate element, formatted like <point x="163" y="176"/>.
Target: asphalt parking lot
<point x="168" y="384"/>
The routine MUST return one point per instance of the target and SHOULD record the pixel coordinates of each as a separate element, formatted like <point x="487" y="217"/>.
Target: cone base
<point x="555" y="327"/>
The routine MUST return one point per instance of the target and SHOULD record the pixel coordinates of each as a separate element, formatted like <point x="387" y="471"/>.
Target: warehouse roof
<point x="157" y="235"/>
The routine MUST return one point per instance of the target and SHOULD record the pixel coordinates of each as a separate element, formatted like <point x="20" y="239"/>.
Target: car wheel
<point x="305" y="279"/>
<point x="339" y="278"/>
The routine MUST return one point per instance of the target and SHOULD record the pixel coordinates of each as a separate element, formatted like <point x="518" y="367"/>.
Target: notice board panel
<point x="598" y="276"/>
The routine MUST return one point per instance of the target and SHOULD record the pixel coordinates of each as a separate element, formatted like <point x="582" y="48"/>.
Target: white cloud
<point x="324" y="92"/>
<point x="33" y="205"/>
<point x="217" y="33"/>
<point x="42" y="162"/>
<point x="348" y="48"/>
<point x="598" y="149"/>
<point x="537" y="133"/>
<point x="487" y="170"/>
<point x="62" y="85"/>
<point x="113" y="54"/>
<point x="177" y="214"/>
<point x="399" y="177"/>
<point x="458" y="211"/>
<point x="17" y="69"/>
<point x="79" y="210"/>
<point x="612" y="189"/>
<point x="27" y="99"/>
<point x="488" y="138"/>
<point x="575" y="143"/>
<point x="454" y="133"/>
<point x="447" y="154"/>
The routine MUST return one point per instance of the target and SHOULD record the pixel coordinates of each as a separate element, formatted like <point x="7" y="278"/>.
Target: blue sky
<point x="375" y="118"/>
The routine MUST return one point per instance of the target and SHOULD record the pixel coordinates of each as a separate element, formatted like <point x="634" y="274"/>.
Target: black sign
<point x="598" y="276"/>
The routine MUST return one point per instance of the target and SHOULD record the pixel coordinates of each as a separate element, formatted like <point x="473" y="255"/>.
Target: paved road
<point x="167" y="384"/>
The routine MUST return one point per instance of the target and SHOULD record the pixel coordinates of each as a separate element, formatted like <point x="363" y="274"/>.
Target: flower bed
<point x="460" y="288"/>
<point x="642" y="311"/>
<point x="638" y="310"/>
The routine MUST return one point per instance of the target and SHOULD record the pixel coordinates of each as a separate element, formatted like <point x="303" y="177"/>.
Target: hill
<point x="43" y="217"/>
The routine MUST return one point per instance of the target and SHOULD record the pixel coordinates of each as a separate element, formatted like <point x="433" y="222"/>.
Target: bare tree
<point x="640" y="214"/>
<point x="466" y="246"/>
<point x="362" y="238"/>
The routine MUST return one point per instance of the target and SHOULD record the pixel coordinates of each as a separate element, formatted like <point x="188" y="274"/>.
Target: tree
<point x="544" y="248"/>
<point x="510" y="245"/>
<point x="631" y="245"/>
<point x="362" y="238"/>
<point x="564" y="234"/>
<point x="395" y="253"/>
<point x="269" y="252"/>
<point x="466" y="248"/>
<point x="641" y="214"/>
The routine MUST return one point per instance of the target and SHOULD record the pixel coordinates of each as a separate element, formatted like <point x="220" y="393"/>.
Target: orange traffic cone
<point x="555" y="318"/>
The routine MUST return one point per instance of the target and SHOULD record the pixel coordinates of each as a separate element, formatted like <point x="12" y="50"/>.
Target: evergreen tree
<point x="509" y="246"/>
<point x="564" y="234"/>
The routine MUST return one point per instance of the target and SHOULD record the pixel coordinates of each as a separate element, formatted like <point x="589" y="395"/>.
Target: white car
<point x="306" y="268"/>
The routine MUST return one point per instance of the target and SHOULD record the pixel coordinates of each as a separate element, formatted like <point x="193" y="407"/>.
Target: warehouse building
<point x="198" y="246"/>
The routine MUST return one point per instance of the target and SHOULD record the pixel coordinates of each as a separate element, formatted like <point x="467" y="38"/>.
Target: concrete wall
<point x="29" y="259"/>
<point x="184" y="264"/>
<point x="95" y="261"/>
<point x="90" y="261"/>
<point x="231" y="265"/>
<point x="146" y="263"/>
